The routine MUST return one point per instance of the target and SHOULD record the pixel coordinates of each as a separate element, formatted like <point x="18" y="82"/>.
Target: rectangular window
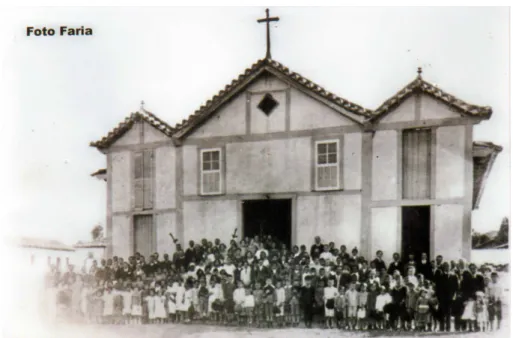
<point x="327" y="165"/>
<point x="211" y="171"/>
<point x="143" y="227"/>
<point x="143" y="179"/>
<point x="416" y="163"/>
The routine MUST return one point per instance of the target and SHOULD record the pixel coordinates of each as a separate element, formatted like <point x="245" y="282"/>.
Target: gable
<point x="403" y="112"/>
<point x="152" y="134"/>
<point x="130" y="137"/>
<point x="135" y="135"/>
<point x="434" y="109"/>
<point x="264" y="67"/>
<point x="228" y="120"/>
<point x="241" y="113"/>
<point x="308" y="113"/>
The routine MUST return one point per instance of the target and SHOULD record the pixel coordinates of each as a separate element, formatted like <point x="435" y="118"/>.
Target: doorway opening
<point x="416" y="230"/>
<point x="268" y="217"/>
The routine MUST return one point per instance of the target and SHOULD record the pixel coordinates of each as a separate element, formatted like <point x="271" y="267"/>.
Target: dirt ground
<point x="201" y="331"/>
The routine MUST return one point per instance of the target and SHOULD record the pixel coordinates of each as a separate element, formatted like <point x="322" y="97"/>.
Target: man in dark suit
<point x="424" y="267"/>
<point x="308" y="301"/>
<point x="446" y="288"/>
<point x="316" y="248"/>
<point x="396" y="265"/>
<point x="379" y="264"/>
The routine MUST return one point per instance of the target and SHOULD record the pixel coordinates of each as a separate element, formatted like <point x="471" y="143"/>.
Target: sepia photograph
<point x="257" y="171"/>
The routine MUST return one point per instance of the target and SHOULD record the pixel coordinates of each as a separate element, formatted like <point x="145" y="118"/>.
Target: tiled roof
<point x="484" y="154"/>
<point x="125" y="125"/>
<point x="102" y="243"/>
<point x="243" y="79"/>
<point x="420" y="85"/>
<point x="41" y="243"/>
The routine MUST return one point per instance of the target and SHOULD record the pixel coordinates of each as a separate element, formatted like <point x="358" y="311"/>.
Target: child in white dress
<point x="180" y="300"/>
<point x="108" y="305"/>
<point x="187" y="305"/>
<point x="127" y="304"/>
<point x="136" y="303"/>
<point x="214" y="293"/>
<point x="150" y="300"/>
<point x="160" y="306"/>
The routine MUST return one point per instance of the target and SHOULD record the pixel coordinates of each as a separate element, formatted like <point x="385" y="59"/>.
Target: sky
<point x="63" y="92"/>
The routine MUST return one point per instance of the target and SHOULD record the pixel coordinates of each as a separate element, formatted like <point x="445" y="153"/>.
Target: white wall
<point x="209" y="219"/>
<point x="384" y="165"/>
<point x="450" y="162"/>
<point x="333" y="217"/>
<point x="448" y="232"/>
<point x="269" y="166"/>
<point x="121" y="232"/>
<point x="352" y="161"/>
<point x="386" y="230"/>
<point x="165" y="175"/>
<point x="121" y="181"/>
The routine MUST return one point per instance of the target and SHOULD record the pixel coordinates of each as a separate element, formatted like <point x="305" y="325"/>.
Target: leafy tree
<point x="503" y="234"/>
<point x="97" y="232"/>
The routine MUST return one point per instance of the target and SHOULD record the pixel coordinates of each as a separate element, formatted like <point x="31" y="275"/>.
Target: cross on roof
<point x="267" y="20"/>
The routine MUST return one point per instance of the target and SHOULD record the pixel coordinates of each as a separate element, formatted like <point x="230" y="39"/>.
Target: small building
<point x="38" y="252"/>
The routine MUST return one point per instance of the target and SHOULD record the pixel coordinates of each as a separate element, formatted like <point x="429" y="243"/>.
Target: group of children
<point x="256" y="291"/>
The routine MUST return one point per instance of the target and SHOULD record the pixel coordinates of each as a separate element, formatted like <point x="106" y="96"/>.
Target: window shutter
<point x="147" y="179"/>
<point x="138" y="181"/>
<point x="416" y="163"/>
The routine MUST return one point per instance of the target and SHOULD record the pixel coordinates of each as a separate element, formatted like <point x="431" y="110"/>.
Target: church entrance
<point x="416" y="232"/>
<point x="268" y="217"/>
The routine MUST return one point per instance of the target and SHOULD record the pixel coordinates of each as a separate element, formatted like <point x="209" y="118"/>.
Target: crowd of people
<point x="259" y="282"/>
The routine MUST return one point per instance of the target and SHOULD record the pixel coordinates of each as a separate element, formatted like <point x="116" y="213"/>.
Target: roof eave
<point x="495" y="150"/>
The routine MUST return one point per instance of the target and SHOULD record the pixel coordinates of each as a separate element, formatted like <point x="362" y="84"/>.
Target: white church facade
<point x="275" y="153"/>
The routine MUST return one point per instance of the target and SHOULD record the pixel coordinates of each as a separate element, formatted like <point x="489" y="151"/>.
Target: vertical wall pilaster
<point x="366" y="229"/>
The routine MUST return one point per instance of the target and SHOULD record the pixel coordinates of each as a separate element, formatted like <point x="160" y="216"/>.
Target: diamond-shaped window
<point x="267" y="104"/>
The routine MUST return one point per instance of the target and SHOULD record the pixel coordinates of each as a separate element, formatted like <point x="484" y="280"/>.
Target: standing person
<point x="382" y="300"/>
<point x="379" y="264"/>
<point x="316" y="248"/>
<point x="136" y="302"/>
<point x="239" y="296"/>
<point x="280" y="303"/>
<point x="424" y="267"/>
<point x="494" y="292"/>
<point x="340" y="307"/>
<point x="396" y="264"/>
<point x="371" y="306"/>
<point x="108" y="305"/>
<point x="361" y="312"/>
<point x="258" y="294"/>
<point x="330" y="293"/>
<point x="203" y="294"/>
<point x="269" y="300"/>
<point x="249" y="306"/>
<point x="422" y="315"/>
<point x="150" y="301"/>
<point x="295" y="303"/>
<point x="352" y="305"/>
<point x="127" y="304"/>
<point x="308" y="301"/>
<point x="398" y="310"/>
<point x="446" y="288"/>
<point x="160" y="306"/>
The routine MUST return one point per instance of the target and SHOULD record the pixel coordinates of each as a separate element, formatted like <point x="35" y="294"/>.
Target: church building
<point x="275" y="153"/>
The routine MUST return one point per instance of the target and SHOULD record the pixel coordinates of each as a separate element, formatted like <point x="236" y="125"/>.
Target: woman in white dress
<point x="187" y="301"/>
<point x="108" y="304"/>
<point x="127" y="304"/>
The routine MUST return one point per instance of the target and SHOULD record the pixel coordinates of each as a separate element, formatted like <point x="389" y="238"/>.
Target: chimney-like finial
<point x="142" y="106"/>
<point x="419" y="71"/>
